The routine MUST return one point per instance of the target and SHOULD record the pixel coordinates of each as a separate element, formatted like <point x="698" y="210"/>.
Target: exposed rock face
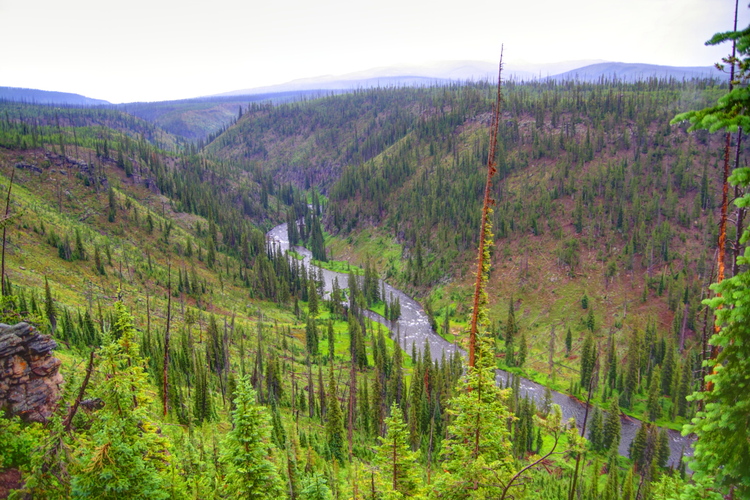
<point x="29" y="375"/>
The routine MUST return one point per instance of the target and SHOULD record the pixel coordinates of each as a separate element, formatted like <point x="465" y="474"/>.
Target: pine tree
<point x="721" y="451"/>
<point x="591" y="321"/>
<point x="654" y="396"/>
<point x="477" y="452"/>
<point x="662" y="448"/>
<point x="588" y="360"/>
<point x="312" y="298"/>
<point x="315" y="487"/>
<point x="331" y="341"/>
<point x="80" y="251"/>
<point x="612" y="365"/>
<point x="98" y="266"/>
<point x="668" y="369"/>
<point x="511" y="329"/>
<point x="632" y="371"/>
<point x="49" y="306"/>
<point x="612" y="426"/>
<point x="124" y="455"/>
<point x="611" y="488"/>
<point x="247" y="449"/>
<point x="396" y="461"/>
<point x="334" y="422"/>
<point x="597" y="430"/>
<point x="522" y="350"/>
<point x="311" y="338"/>
<point x="113" y="206"/>
<point x="639" y="444"/>
<point x="568" y="342"/>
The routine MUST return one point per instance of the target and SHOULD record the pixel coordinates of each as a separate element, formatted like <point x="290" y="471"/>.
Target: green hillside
<point x="125" y="240"/>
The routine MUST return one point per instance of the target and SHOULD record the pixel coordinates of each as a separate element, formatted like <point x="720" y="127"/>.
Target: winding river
<point x="414" y="329"/>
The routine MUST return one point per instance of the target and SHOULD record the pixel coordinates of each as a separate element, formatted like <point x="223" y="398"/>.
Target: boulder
<point x="30" y="379"/>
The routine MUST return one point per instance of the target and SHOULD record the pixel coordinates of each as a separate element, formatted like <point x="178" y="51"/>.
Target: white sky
<point x="151" y="50"/>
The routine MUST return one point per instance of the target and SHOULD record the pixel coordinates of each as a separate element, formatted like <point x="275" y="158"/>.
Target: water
<point x="414" y="329"/>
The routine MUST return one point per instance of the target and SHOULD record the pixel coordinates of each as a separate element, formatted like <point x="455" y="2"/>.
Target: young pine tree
<point x="397" y="463"/>
<point x="247" y="450"/>
<point x="123" y="456"/>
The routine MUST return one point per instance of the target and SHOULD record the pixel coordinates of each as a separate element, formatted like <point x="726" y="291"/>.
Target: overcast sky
<point x="151" y="50"/>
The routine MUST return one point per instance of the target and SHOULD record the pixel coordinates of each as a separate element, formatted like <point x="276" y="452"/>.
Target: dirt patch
<point x="9" y="480"/>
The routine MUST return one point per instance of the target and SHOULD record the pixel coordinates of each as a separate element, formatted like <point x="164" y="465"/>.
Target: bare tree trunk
<point x="724" y="203"/>
<point x="5" y="226"/>
<point x="485" y="211"/>
<point x="166" y="337"/>
<point x="73" y="409"/>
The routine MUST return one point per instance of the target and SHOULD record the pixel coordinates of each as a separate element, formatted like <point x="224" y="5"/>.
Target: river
<point x="414" y="328"/>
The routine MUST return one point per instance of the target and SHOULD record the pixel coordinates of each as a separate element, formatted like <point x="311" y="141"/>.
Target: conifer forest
<point x="482" y="290"/>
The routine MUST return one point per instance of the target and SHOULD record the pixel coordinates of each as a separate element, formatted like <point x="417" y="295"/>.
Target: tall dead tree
<point x="488" y="202"/>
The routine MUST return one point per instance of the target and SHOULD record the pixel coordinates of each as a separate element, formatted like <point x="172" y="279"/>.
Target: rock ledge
<point x="30" y="381"/>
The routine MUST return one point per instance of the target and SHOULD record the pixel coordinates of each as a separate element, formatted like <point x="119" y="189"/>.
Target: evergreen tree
<point x="638" y="446"/>
<point x="654" y="396"/>
<point x="596" y="433"/>
<point x="331" y="341"/>
<point x="113" y="206"/>
<point x="591" y="321"/>
<point x="311" y="338"/>
<point x="49" y="306"/>
<point x="477" y="452"/>
<point x="511" y="329"/>
<point x="315" y="487"/>
<point x="98" y="266"/>
<point x="588" y="360"/>
<point x="662" y="448"/>
<point x="632" y="371"/>
<point x="568" y="342"/>
<point x="124" y="455"/>
<point x="522" y="350"/>
<point x="396" y="461"/>
<point x="721" y="451"/>
<point x="312" y="298"/>
<point x="334" y="422"/>
<point x="612" y="426"/>
<point x="247" y="450"/>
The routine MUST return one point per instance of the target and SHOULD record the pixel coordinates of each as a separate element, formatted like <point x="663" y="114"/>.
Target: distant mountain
<point x="34" y="96"/>
<point x="437" y="73"/>
<point x="630" y="72"/>
<point x="201" y="117"/>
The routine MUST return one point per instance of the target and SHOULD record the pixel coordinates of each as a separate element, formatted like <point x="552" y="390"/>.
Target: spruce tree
<point x="522" y="350"/>
<point x="654" y="396"/>
<point x="330" y="335"/>
<point x="49" y="306"/>
<point x="721" y="451"/>
<point x="477" y="453"/>
<point x="612" y="426"/>
<point x="247" y="450"/>
<point x="597" y="430"/>
<point x="312" y="298"/>
<point x="511" y="328"/>
<point x="638" y="446"/>
<point x="124" y="456"/>
<point x="311" y="337"/>
<point x="662" y="449"/>
<point x="588" y="360"/>
<point x="397" y="463"/>
<point x="334" y="421"/>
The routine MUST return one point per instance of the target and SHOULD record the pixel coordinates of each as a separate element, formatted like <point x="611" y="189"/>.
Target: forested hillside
<point x="202" y="362"/>
<point x="604" y="215"/>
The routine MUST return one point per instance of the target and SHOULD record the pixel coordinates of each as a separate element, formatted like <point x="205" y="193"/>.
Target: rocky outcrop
<point x="30" y="381"/>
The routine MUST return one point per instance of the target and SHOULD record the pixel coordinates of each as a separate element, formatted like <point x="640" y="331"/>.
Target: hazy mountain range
<point x="438" y="73"/>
